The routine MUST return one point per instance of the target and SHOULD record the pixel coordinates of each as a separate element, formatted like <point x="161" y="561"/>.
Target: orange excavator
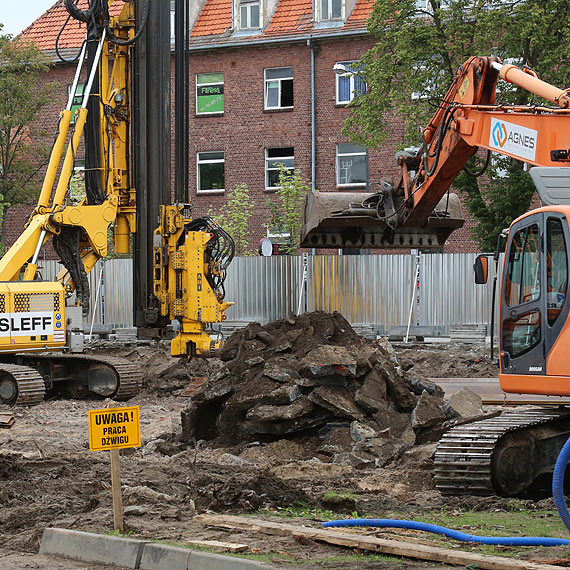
<point x="513" y="453"/>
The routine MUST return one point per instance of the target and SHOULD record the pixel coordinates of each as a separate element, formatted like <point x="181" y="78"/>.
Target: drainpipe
<point x="313" y="117"/>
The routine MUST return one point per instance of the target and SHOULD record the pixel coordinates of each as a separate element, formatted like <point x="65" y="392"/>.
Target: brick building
<point x="263" y="90"/>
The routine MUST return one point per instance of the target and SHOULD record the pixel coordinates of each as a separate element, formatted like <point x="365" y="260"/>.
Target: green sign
<point x="210" y="98"/>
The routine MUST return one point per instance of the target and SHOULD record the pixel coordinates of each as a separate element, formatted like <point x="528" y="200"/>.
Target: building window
<point x="77" y="99"/>
<point x="279" y="88"/>
<point x="349" y="85"/>
<point x="351" y="165"/>
<point x="249" y="15"/>
<point x="330" y="9"/>
<point x="273" y="158"/>
<point x="210" y="167"/>
<point x="209" y="93"/>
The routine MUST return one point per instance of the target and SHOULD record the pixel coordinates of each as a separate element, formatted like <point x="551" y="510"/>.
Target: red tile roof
<point x="43" y="32"/>
<point x="361" y="12"/>
<point x="215" y="18"/>
<point x="291" y="16"/>
<point x="214" y="24"/>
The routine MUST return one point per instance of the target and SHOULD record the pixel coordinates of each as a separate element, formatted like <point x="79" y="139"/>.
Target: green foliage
<point x="418" y="51"/>
<point x="497" y="202"/>
<point x="24" y="151"/>
<point x="234" y="217"/>
<point x="286" y="213"/>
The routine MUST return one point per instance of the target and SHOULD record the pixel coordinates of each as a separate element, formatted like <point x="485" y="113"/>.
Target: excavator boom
<point x="417" y="209"/>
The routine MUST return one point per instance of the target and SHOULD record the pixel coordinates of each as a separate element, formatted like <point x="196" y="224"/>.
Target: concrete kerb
<point x="136" y="554"/>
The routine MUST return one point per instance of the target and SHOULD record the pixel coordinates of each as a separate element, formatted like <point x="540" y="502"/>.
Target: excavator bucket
<point x="340" y="220"/>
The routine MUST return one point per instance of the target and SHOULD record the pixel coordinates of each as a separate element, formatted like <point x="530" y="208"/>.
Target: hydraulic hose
<point x="413" y="525"/>
<point x="559" y="501"/>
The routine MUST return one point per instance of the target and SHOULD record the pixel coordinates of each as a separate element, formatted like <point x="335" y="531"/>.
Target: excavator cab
<point x="534" y="304"/>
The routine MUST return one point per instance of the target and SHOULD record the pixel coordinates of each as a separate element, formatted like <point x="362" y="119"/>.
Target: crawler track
<point x="464" y="459"/>
<point x="28" y="376"/>
<point x="21" y="385"/>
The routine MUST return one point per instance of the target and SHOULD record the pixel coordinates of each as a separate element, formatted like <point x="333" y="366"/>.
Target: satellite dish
<point x="266" y="247"/>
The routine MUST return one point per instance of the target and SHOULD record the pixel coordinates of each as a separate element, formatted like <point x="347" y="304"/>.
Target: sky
<point x="19" y="14"/>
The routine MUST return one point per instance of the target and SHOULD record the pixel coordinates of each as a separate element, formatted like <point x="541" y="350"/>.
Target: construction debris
<point x="313" y="377"/>
<point x="6" y="420"/>
<point x="355" y="540"/>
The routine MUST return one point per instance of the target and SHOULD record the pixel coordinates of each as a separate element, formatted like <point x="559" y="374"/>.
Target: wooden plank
<point x="6" y="420"/>
<point x="219" y="546"/>
<point x="363" y="542"/>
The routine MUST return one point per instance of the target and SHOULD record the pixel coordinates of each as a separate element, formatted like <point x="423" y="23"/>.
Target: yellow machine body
<point x="32" y="316"/>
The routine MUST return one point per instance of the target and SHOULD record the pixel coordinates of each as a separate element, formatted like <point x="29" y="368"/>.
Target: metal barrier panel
<point x="263" y="289"/>
<point x="368" y="289"/>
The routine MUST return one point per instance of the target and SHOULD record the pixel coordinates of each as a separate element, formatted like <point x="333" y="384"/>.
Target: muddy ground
<point x="48" y="476"/>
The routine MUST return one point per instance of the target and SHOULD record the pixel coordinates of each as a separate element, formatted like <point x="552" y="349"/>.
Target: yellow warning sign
<point x="113" y="428"/>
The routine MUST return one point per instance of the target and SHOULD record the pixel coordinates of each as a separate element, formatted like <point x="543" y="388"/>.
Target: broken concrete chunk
<point x="429" y="412"/>
<point x="379" y="451"/>
<point x="315" y="418"/>
<point x="311" y="381"/>
<point x="327" y="360"/>
<point x="396" y="389"/>
<point x="465" y="403"/>
<point x="265" y="413"/>
<point x="397" y="424"/>
<point x="337" y="399"/>
<point x="417" y="386"/>
<point x="285" y="347"/>
<point x="255" y="361"/>
<point x="328" y="429"/>
<point x="279" y="374"/>
<point x="418" y="455"/>
<point x="371" y="396"/>
<point x="360" y="431"/>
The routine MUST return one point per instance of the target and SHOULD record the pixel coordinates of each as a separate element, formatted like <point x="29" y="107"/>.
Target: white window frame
<point x="172" y="21"/>
<point x="238" y="5"/>
<point x="351" y="75"/>
<point x="346" y="155"/>
<point x="208" y="85"/>
<point x="280" y="80"/>
<point x="209" y="161"/>
<point x="319" y="11"/>
<point x="268" y="169"/>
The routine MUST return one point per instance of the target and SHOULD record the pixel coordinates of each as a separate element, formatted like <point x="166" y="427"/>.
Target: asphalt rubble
<point x="311" y="378"/>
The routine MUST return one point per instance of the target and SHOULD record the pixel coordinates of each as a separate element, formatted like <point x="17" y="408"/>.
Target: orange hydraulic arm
<point x="468" y="119"/>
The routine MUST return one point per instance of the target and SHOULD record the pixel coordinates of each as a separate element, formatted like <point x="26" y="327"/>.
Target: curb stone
<point x="136" y="554"/>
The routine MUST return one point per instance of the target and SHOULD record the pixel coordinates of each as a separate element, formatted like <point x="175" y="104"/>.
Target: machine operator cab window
<point x="535" y="293"/>
<point x="523" y="332"/>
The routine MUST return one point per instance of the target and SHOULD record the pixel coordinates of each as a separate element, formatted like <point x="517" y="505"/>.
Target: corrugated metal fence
<point x="368" y="289"/>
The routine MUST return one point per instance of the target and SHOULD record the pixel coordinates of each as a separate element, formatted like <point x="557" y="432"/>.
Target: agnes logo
<point x="499" y="134"/>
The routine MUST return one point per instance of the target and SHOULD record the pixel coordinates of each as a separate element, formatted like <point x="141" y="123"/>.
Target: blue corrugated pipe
<point x="559" y="501"/>
<point x="558" y="484"/>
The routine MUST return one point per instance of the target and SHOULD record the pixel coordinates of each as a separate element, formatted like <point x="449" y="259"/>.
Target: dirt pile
<point x="313" y="379"/>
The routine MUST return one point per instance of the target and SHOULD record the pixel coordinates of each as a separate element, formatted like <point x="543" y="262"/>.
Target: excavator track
<point x="468" y="457"/>
<point x="107" y="377"/>
<point x="20" y="385"/>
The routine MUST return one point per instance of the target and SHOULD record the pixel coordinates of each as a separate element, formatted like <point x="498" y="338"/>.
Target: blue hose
<point x="498" y="540"/>
<point x="559" y="501"/>
<point x="558" y="484"/>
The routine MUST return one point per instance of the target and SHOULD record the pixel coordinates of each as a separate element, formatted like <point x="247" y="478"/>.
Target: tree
<point x="286" y="214"/>
<point x="419" y="47"/>
<point x="234" y="217"/>
<point x="23" y="149"/>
